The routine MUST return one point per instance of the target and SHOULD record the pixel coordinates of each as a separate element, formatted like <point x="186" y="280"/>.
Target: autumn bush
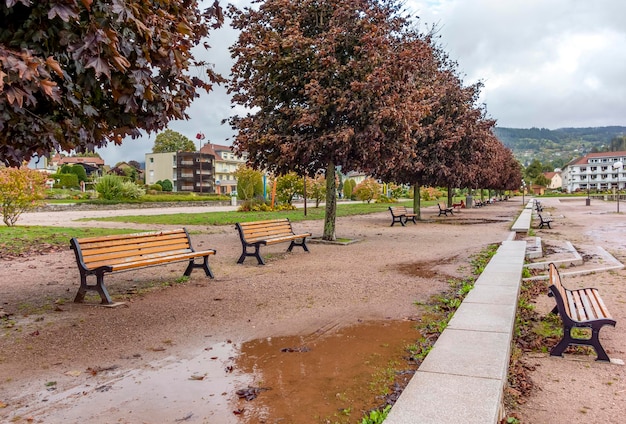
<point x="430" y="193"/>
<point x="368" y="190"/>
<point x="21" y="190"/>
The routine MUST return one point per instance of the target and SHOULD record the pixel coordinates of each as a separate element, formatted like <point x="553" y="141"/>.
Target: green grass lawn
<point x="18" y="239"/>
<point x="228" y="218"/>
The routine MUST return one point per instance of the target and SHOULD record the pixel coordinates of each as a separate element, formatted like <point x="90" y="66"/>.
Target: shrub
<point x="79" y="171"/>
<point x="110" y="187"/>
<point x="156" y="187"/>
<point x="21" y="189"/>
<point x="130" y="190"/>
<point x="65" y="180"/>
<point x="167" y="185"/>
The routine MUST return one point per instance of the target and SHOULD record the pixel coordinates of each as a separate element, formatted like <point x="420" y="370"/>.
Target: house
<point x="555" y="179"/>
<point x="595" y="171"/>
<point x="93" y="164"/>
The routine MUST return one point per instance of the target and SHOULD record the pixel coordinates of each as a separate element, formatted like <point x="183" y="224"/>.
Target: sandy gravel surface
<point x="81" y="347"/>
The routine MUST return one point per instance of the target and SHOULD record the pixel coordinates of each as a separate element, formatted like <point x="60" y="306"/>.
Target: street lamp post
<point x="588" y="199"/>
<point x="200" y="136"/>
<point x="523" y="193"/>
<point x="618" y="165"/>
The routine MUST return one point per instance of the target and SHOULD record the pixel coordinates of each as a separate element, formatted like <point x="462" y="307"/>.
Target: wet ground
<point x="331" y="376"/>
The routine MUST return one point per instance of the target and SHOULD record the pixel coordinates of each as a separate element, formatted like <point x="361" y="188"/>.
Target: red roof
<point x="94" y="161"/>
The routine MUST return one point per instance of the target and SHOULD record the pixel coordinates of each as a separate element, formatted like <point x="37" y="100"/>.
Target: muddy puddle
<point x="326" y="377"/>
<point x="330" y="377"/>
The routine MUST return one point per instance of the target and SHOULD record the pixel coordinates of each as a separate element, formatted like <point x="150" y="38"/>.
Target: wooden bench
<point x="538" y="206"/>
<point x="259" y="233"/>
<point x="544" y="221"/>
<point x="100" y="255"/>
<point x="401" y="214"/>
<point x="460" y="205"/>
<point x="444" y="210"/>
<point x="581" y="308"/>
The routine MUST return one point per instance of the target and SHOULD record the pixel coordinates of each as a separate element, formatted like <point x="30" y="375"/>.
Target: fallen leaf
<point x="74" y="373"/>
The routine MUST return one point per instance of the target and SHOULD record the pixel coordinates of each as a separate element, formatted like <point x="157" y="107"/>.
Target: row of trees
<point x="356" y="85"/>
<point x="328" y="84"/>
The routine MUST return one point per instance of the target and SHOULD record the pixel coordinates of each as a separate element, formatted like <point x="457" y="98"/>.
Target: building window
<point x="151" y="160"/>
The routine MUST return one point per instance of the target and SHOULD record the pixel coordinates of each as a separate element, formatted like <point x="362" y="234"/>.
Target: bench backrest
<point x="94" y="252"/>
<point x="442" y="205"/>
<point x="253" y="232"/>
<point x="555" y="286"/>
<point x="398" y="210"/>
<point x="580" y="305"/>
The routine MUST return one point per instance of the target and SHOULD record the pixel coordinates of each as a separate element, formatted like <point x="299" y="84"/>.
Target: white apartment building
<point x="596" y="171"/>
<point x="226" y="163"/>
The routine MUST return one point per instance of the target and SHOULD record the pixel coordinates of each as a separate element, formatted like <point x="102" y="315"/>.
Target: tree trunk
<point x="450" y="197"/>
<point x="331" y="204"/>
<point x="417" y="202"/>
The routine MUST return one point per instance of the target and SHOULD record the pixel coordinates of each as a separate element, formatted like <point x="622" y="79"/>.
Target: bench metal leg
<point x="99" y="287"/>
<point x="256" y="254"/>
<point x="397" y="219"/>
<point x="301" y="244"/>
<point x="204" y="265"/>
<point x="593" y="342"/>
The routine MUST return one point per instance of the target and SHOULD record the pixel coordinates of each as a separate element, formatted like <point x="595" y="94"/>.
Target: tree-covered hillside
<point x="561" y="145"/>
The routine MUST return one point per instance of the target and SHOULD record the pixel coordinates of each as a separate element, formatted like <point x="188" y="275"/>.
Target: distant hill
<point x="557" y="146"/>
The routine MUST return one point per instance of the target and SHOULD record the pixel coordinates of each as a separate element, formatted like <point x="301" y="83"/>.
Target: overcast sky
<point x="550" y="64"/>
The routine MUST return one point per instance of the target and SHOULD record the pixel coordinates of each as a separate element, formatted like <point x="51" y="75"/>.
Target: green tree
<point x="348" y="188"/>
<point x="21" y="190"/>
<point x="288" y="186"/>
<point x="172" y="141"/>
<point x="326" y="84"/>
<point x="79" y="74"/>
<point x="542" y="180"/>
<point x="249" y="183"/>
<point x="533" y="170"/>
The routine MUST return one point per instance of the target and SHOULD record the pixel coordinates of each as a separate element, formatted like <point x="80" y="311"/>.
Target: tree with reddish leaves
<point x="437" y="148"/>
<point x="79" y="74"/>
<point x="325" y="83"/>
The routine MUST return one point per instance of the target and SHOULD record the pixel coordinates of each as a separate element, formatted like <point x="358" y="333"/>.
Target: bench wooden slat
<point x="154" y="261"/>
<point x="100" y="255"/>
<point x="603" y="308"/>
<point x="579" y="308"/>
<point x="139" y="249"/>
<point x="581" y="314"/>
<point x="257" y="233"/>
